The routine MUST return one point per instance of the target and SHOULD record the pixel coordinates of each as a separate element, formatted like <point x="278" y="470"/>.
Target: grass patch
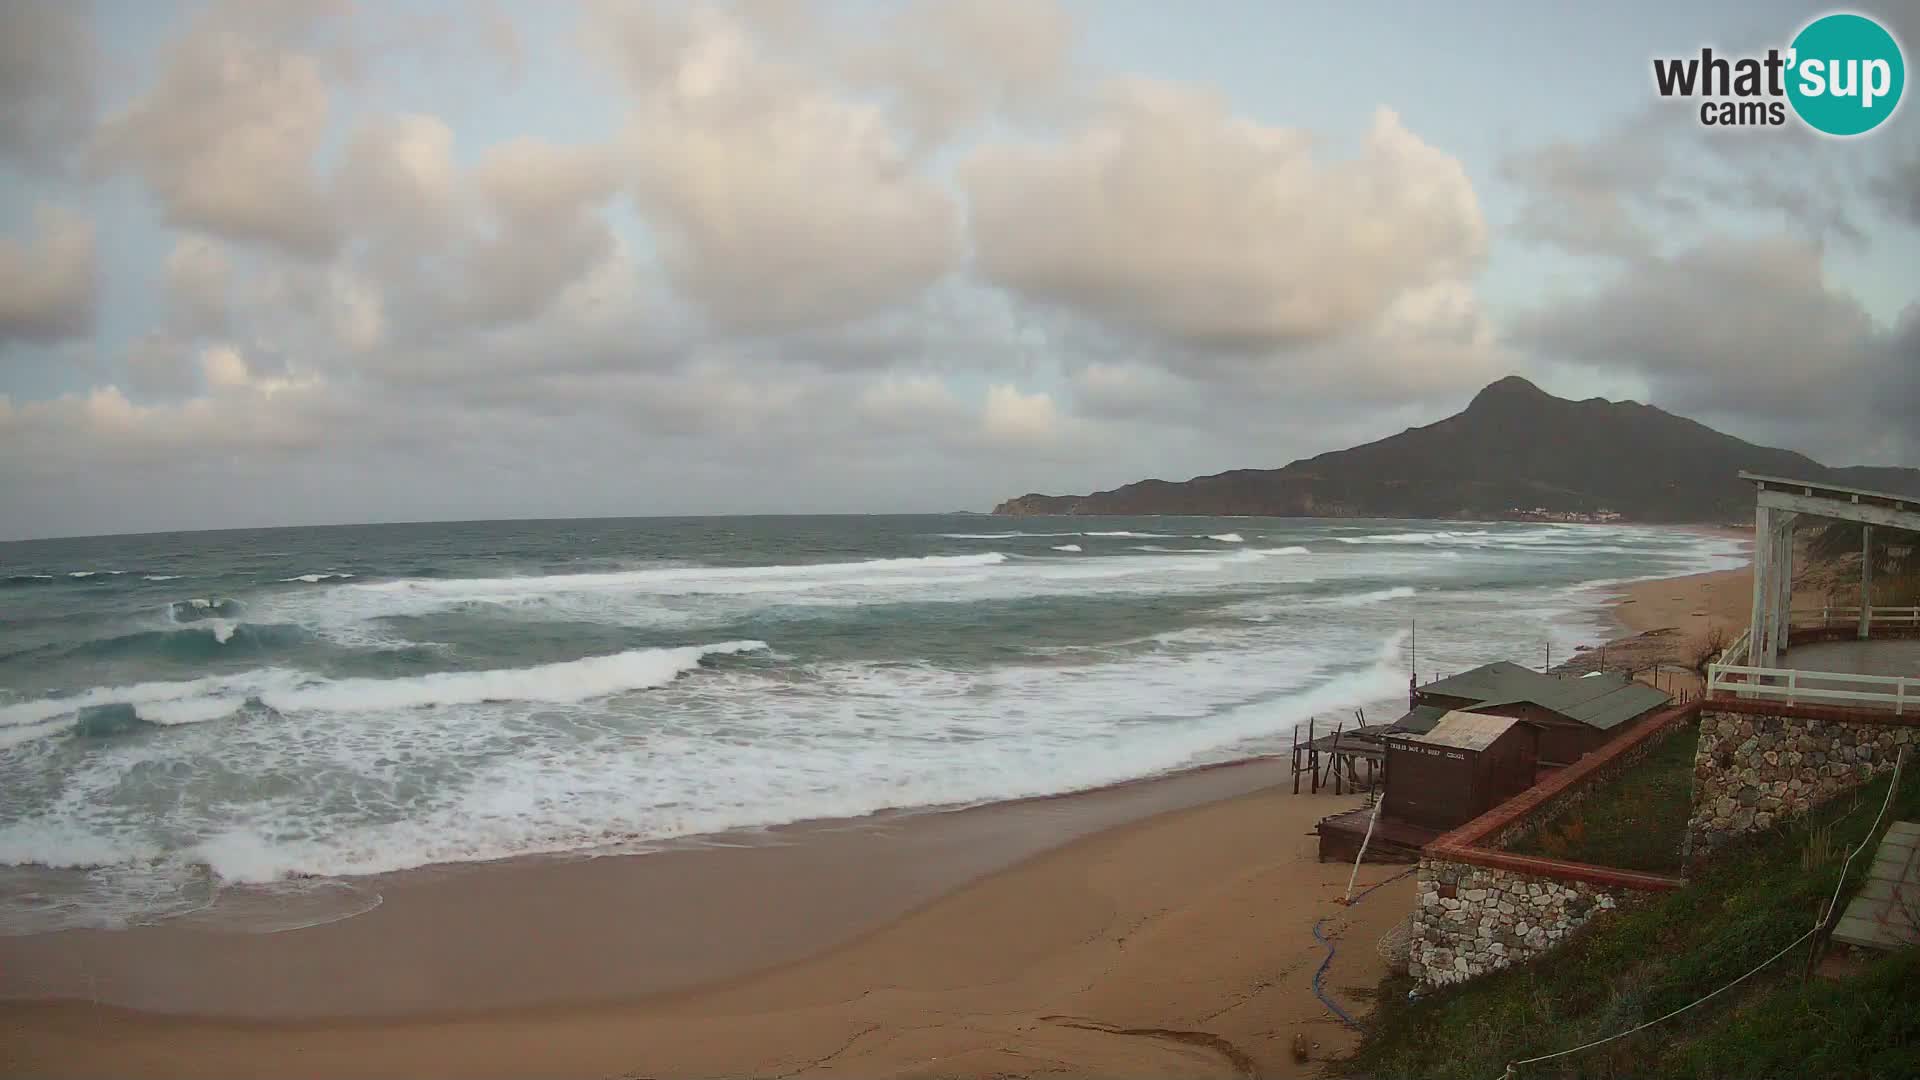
<point x="1640" y="963"/>
<point x="1635" y="821"/>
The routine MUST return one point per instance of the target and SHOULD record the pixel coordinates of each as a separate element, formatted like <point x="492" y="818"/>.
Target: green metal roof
<point x="1418" y="721"/>
<point x="1604" y="700"/>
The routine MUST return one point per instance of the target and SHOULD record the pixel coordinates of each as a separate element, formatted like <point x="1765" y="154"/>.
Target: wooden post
<point x="1866" y="581"/>
<point x="1333" y="756"/>
<point x="1296" y="759"/>
<point x="1313" y="758"/>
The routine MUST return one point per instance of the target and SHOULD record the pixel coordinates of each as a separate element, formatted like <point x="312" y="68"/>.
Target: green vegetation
<point x="1644" y="962"/>
<point x="1635" y="821"/>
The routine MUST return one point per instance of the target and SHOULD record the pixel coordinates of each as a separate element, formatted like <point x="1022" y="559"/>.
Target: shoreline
<point x="1124" y="950"/>
<point x="1056" y="933"/>
<point x="842" y="878"/>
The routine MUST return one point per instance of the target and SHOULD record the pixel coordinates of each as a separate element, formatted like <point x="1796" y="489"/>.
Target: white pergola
<point x="1779" y="502"/>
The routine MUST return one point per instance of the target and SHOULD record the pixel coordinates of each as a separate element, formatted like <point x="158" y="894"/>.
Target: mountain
<point x="1514" y="446"/>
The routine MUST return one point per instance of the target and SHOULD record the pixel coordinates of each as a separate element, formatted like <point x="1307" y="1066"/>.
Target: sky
<point x="314" y="261"/>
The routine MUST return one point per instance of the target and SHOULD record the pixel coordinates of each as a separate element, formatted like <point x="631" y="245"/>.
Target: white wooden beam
<point x="1841" y="511"/>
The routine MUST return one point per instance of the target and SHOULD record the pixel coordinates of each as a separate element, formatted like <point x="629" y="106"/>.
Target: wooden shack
<point x="1575" y="714"/>
<point x="1467" y="764"/>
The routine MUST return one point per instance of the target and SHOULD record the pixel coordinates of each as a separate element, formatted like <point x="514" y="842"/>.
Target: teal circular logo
<point x="1845" y="74"/>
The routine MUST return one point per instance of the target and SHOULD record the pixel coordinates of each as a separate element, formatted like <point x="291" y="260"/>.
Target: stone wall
<point x="1759" y="763"/>
<point x="1470" y="920"/>
<point x="1481" y="908"/>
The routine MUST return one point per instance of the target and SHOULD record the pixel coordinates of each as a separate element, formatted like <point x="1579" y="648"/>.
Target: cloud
<point x="47" y="66"/>
<point x="1659" y="182"/>
<point x="909" y="403"/>
<point x="1170" y="214"/>
<point x="225" y="138"/>
<point x="47" y="281"/>
<point x="198" y="276"/>
<point x="1749" y="331"/>
<point x="1016" y="418"/>
<point x="777" y="202"/>
<point x="948" y="67"/>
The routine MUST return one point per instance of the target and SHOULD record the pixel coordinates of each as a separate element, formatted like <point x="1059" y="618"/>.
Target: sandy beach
<point x="1179" y="944"/>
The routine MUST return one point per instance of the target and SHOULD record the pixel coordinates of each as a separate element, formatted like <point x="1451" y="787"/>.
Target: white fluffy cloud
<point x="226" y="137"/>
<point x="1170" y="214"/>
<point x="778" y="202"/>
<point x="47" y="278"/>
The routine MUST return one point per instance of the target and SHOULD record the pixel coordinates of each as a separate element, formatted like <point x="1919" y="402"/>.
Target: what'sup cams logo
<point x="1841" y="75"/>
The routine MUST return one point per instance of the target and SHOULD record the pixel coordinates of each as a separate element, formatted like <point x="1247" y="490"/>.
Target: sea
<point x="191" y="716"/>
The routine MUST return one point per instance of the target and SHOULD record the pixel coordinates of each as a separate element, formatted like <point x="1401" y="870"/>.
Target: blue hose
<point x="1328" y="960"/>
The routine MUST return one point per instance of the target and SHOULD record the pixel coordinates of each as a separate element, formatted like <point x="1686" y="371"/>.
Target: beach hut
<point x="1466" y="764"/>
<point x="1575" y="715"/>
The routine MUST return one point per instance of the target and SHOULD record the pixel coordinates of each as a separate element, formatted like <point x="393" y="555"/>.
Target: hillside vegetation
<point x="1644" y="962"/>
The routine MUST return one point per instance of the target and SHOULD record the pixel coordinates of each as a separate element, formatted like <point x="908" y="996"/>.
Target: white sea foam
<point x="1127" y="535"/>
<point x="81" y="573"/>
<point x="1004" y="535"/>
<point x="750" y="757"/>
<point x="1291" y="549"/>
<point x="162" y="577"/>
<point x="290" y="692"/>
<point x="1067" y="547"/>
<point x="1229" y="538"/>
<point x="313" y="579"/>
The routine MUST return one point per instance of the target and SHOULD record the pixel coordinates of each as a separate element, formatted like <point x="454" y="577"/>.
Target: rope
<point x="1327" y="961"/>
<point x="1364" y="841"/>
<point x="1892" y="786"/>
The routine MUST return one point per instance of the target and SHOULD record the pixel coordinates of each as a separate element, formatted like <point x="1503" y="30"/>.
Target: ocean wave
<point x="162" y="577"/>
<point x="285" y="691"/>
<point x="1291" y="549"/>
<point x="1441" y="536"/>
<point x="1067" y="547"/>
<point x="1003" y="535"/>
<point x="1377" y="596"/>
<point x="190" y="642"/>
<point x="1229" y="538"/>
<point x="29" y="579"/>
<point x="314" y="579"/>
<point x="204" y="607"/>
<point x="955" y="737"/>
<point x="1125" y="534"/>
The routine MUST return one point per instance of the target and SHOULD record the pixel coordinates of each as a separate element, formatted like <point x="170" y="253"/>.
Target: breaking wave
<point x="286" y="691"/>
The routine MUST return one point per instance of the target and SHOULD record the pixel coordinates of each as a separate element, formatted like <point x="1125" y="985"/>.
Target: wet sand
<point x="1177" y="943"/>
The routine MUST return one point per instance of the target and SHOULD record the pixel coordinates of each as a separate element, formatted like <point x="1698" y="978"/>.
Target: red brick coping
<point x="1464" y="843"/>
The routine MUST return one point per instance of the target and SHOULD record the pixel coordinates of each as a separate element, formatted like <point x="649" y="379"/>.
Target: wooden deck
<point x="1393" y="841"/>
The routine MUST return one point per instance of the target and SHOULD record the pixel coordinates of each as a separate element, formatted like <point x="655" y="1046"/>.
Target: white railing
<point x="1794" y="687"/>
<point x="1847" y="616"/>
<point x="1736" y="653"/>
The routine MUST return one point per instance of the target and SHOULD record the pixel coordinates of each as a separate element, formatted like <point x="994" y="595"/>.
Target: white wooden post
<point x="1758" y="626"/>
<point x="1866" y="581"/>
<point x="1783" y="561"/>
